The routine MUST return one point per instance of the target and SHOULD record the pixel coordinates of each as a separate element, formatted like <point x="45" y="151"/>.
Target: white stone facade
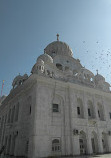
<point x="60" y="109"/>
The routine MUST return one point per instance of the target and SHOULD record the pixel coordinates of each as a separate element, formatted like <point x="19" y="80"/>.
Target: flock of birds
<point x="100" y="60"/>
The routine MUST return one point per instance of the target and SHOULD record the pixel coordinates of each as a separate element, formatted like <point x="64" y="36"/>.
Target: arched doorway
<point x="82" y="143"/>
<point x="94" y="142"/>
<point x="56" y="147"/>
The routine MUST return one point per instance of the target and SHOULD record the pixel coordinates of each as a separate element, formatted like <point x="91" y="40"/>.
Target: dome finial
<point x="97" y="72"/>
<point x="57" y="37"/>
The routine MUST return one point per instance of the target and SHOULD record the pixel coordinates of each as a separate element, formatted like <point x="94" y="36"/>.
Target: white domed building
<point x="61" y="109"/>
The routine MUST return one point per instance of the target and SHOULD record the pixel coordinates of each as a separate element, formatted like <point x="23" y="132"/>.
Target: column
<point x="89" y="143"/>
<point x="8" y="145"/>
<point x="18" y="144"/>
<point x="85" y="106"/>
<point x="105" y="114"/>
<point x="5" y="144"/>
<point x="70" y="102"/>
<point x="109" y="143"/>
<point x="95" y="108"/>
<point x="76" y="146"/>
<point x="100" y="146"/>
<point x="11" y="145"/>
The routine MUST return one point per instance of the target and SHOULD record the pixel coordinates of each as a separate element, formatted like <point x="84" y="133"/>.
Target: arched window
<point x="80" y="111"/>
<point x="56" y="145"/>
<point x="100" y="111"/>
<point x="59" y="66"/>
<point x="90" y="109"/>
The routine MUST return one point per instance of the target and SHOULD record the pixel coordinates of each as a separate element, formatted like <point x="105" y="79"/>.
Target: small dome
<point x="86" y="71"/>
<point x="99" y="77"/>
<point x="17" y="77"/>
<point x="46" y="58"/>
<point x="40" y="62"/>
<point x="58" y="48"/>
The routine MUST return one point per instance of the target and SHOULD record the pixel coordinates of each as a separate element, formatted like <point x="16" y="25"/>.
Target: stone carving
<point x="18" y="80"/>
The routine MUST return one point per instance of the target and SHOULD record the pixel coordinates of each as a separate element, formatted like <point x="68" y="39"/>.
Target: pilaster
<point x="100" y="147"/>
<point x="76" y="146"/>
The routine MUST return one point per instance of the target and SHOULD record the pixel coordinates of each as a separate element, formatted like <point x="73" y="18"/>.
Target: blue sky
<point x="28" y="26"/>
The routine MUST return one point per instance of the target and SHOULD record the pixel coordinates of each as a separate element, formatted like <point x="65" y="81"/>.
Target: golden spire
<point x="57" y="37"/>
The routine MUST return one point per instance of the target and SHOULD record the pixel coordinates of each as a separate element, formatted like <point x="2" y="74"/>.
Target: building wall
<point x="36" y="128"/>
<point x="17" y="131"/>
<point x="50" y="125"/>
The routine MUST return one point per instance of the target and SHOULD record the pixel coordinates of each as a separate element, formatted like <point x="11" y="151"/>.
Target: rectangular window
<point x="55" y="108"/>
<point x="78" y="110"/>
<point x="98" y="113"/>
<point x="89" y="112"/>
<point x="30" y="110"/>
<point x="110" y="115"/>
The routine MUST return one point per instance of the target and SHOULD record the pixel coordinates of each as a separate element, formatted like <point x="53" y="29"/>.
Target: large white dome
<point x="58" y="48"/>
